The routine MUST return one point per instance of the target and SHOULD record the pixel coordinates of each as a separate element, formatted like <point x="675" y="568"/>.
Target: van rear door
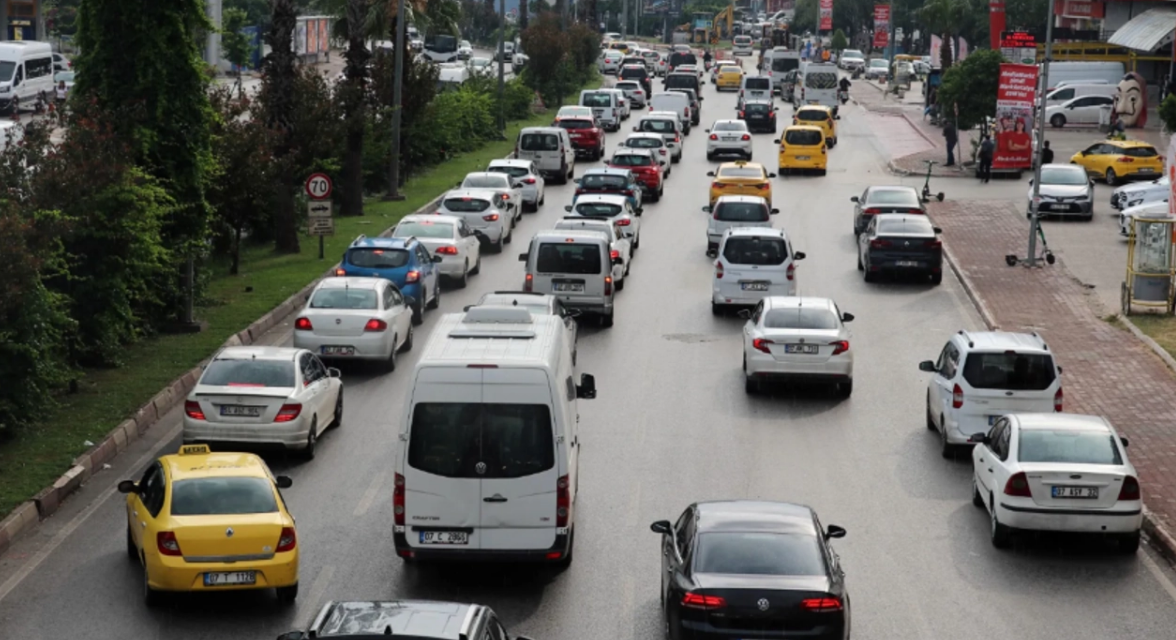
<point x="523" y="464"/>
<point x="543" y="148"/>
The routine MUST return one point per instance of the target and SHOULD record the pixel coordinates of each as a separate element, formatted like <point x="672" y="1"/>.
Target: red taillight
<point x="790" y="272"/>
<point x="528" y="282"/>
<point x="303" y="324"/>
<point x="718" y="270"/>
<point x="1058" y="398"/>
<point x="871" y="211"/>
<point x="448" y="251"/>
<point x="1130" y="490"/>
<point x="933" y="244"/>
<point x="193" y="410"/>
<point x="761" y="344"/>
<point x="677" y="138"/>
<point x="763" y="187"/>
<point x="746" y="137"/>
<point x="287" y="540"/>
<point x="563" y="502"/>
<point x="878" y="243"/>
<point x="614" y="254"/>
<point x="340" y="272"/>
<point x="529" y="181"/>
<point x="957" y="397"/>
<point x="398" y="500"/>
<point x="608" y="285"/>
<point x="698" y="601"/>
<point x="717" y="185"/>
<point x="821" y="605"/>
<point x="624" y="222"/>
<point x="1018" y="486"/>
<point x="579" y="191"/>
<point x="714" y="137"/>
<point x="741" y="115"/>
<point x="662" y="151"/>
<point x="491" y="217"/>
<point x="288" y="412"/>
<point x="628" y="192"/>
<point x="412" y="276"/>
<point x="506" y="196"/>
<point x="687" y="112"/>
<point x="840" y="346"/>
<point x="1124" y="159"/>
<point x="167" y="544"/>
<point x="375" y="324"/>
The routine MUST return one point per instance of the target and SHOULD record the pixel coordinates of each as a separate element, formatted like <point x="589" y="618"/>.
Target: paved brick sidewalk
<point x="1107" y="370"/>
<point x="910" y="139"/>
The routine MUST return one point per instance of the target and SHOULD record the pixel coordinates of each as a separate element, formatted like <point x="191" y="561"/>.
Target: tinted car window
<point x="761" y="251"/>
<point x="378" y="258"/>
<point x="606" y="209"/>
<point x="596" y="100"/>
<point x="600" y="181"/>
<point x="730" y="126"/>
<point x="800" y="318"/>
<point x="1139" y="152"/>
<point x="486" y="182"/>
<point x="631" y="161"/>
<point x="803" y="137"/>
<point x="465" y="205"/>
<point x="1080" y="447"/>
<point x="757" y="108"/>
<point x="249" y="373"/>
<point x="677" y="59"/>
<point x="576" y="124"/>
<point x="741" y="212"/>
<point x="645" y="143"/>
<point x="539" y="142"/>
<point x="1063" y="175"/>
<point x="903" y="197"/>
<point x="758" y="84"/>
<point x="1011" y="371"/>
<point x="572" y="258"/>
<point x="917" y="226"/>
<point x="450" y="438"/>
<point x="425" y="229"/>
<point x="812" y="115"/>
<point x="658" y="126"/>
<point x="741" y="172"/>
<point x="684" y="80"/>
<point x="774" y="554"/>
<point x="344" y="299"/>
<point x="633" y="72"/>
<point x="209" y="496"/>
<point x="516" y="172"/>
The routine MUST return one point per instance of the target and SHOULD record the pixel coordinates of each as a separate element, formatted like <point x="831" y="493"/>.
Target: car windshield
<point x="758" y="84"/>
<point x="7" y="68"/>
<point x="645" y="143"/>
<point x="377" y="258"/>
<point x="912" y="226"/>
<point x="1139" y="152"/>
<point x="1062" y="445"/>
<point x="465" y="205"/>
<point x="481" y="440"/>
<point x="486" y="182"/>
<point x="800" y="318"/>
<point x="741" y="212"/>
<point x="539" y="142"/>
<point x="516" y="172"/>
<point x="755" y="250"/>
<point x="729" y="126"/>
<point x="424" y="229"/>
<point x="334" y="298"/>
<point x="596" y="100"/>
<point x="851" y="53"/>
<point x="1009" y="371"/>
<point x="660" y="126"/>
<point x="598" y="209"/>
<point x="631" y="160"/>
<point x="1063" y="175"/>
<point x="741" y="172"/>
<point x="901" y="197"/>
<point x="755" y="553"/>
<point x="576" y="124"/>
<point x="249" y="373"/>
<point x="812" y="115"/>
<point x="804" y="137"/>
<point x="222" y="496"/>
<point x="569" y="257"/>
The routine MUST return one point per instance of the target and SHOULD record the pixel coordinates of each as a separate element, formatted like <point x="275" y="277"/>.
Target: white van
<point x="606" y="106"/>
<point x="1071" y="91"/>
<point x="1111" y="72"/>
<point x="674" y="101"/>
<point x="741" y="46"/>
<point x="619" y="244"/>
<point x="488" y="468"/>
<point x="817" y="84"/>
<point x="574" y="266"/>
<point x="26" y="71"/>
<point x="550" y="148"/>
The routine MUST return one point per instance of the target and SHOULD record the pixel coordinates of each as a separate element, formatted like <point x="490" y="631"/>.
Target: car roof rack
<point x="968" y="338"/>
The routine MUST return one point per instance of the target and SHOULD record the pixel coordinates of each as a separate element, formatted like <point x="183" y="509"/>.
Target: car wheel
<point x="339" y="410"/>
<point x="868" y="275"/>
<point x="751" y="385"/>
<point x="607" y="321"/>
<point x="497" y="246"/>
<point x="465" y="277"/>
<point x="930" y="416"/>
<point x="937" y="278"/>
<point x="312" y="437"/>
<point x="845" y="389"/>
<point x="132" y="550"/>
<point x="621" y="284"/>
<point x="151" y="597"/>
<point x="999" y="533"/>
<point x="675" y="159"/>
<point x="418" y="316"/>
<point x="822" y="172"/>
<point x="859" y="263"/>
<point x="436" y="301"/>
<point x="542" y="198"/>
<point x="1129" y="543"/>
<point x="509" y="236"/>
<point x="976" y="499"/>
<point x="716" y="309"/>
<point x="389" y="363"/>
<point x="287" y="595"/>
<point x="946" y="449"/>
<point x="565" y="562"/>
<point x="477" y="265"/>
<point x="1058" y="121"/>
<point x="1112" y="179"/>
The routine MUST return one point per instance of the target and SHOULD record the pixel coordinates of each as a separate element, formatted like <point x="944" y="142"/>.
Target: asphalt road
<point x="671" y="425"/>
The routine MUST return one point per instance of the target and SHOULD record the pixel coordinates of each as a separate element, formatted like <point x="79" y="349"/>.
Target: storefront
<point x="20" y="18"/>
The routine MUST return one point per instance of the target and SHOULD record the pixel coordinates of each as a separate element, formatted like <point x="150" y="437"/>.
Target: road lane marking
<point x="308" y="607"/>
<point x="1156" y="571"/>
<point x="369" y="496"/>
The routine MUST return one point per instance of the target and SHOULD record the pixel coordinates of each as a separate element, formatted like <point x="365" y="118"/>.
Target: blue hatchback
<point x="404" y="261"/>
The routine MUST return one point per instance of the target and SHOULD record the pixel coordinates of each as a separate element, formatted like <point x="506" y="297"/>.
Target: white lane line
<point x="309" y="605"/>
<point x="1156" y="571"/>
<point x="369" y="496"/>
<point x="80" y="519"/>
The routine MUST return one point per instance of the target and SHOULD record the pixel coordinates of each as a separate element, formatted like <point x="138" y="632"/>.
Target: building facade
<point x="22" y="20"/>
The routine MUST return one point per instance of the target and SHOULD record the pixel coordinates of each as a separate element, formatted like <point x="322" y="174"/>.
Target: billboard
<point x="1018" y="47"/>
<point x="826" y="13"/>
<point x="1016" y="94"/>
<point x="881" y="25"/>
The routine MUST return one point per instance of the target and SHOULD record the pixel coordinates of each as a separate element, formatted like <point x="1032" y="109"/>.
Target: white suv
<point x="753" y="263"/>
<point x="981" y="376"/>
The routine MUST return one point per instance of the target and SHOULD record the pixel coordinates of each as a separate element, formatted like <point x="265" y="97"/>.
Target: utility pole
<point x="397" y="86"/>
<point x="625" y="20"/>
<point x="890" y="52"/>
<point x="212" y="41"/>
<point x="1035" y="202"/>
<point x="502" y="60"/>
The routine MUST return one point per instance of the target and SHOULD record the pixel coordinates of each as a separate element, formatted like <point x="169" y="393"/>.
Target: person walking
<point x="987" y="148"/>
<point x="1046" y="154"/>
<point x="952" y="138"/>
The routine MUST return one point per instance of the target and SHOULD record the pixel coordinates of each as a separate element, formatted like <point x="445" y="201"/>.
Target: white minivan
<point x="574" y="266"/>
<point x="675" y="101"/>
<point x="550" y="148"/>
<point x="489" y="463"/>
<point x="26" y="71"/>
<point x="1071" y="91"/>
<point x="817" y="84"/>
<point x="606" y="106"/>
<point x="752" y="264"/>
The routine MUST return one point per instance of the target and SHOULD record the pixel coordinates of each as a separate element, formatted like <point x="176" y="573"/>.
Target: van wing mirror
<point x="799" y="255"/>
<point x="523" y="257"/>
<point x="927" y="365"/>
<point x="587" y="387"/>
<point x="1124" y="441"/>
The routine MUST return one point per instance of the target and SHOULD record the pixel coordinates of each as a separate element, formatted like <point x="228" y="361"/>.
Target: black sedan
<point x="759" y="116"/>
<point x="900" y="244"/>
<point x="744" y="568"/>
<point x="876" y="200"/>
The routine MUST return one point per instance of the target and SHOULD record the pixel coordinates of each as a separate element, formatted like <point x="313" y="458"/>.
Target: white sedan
<point x="355" y="318"/>
<point x="482" y="67"/>
<point x="1056" y="472"/>
<point x="1158" y="210"/>
<point x="523" y="171"/>
<point x="616" y="208"/>
<point x="1136" y="193"/>
<point x="264" y="396"/>
<point x="449" y="237"/>
<point x="728" y="137"/>
<point x="795" y="339"/>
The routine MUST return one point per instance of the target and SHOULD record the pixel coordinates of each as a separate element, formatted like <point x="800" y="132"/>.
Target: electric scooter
<point x="927" y="184"/>
<point x="1012" y="260"/>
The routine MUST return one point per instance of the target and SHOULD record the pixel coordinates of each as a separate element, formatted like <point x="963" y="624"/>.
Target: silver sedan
<point x="728" y="137"/>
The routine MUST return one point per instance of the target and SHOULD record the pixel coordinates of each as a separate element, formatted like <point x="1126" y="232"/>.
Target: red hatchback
<point x="587" y="137"/>
<point x="646" y="166"/>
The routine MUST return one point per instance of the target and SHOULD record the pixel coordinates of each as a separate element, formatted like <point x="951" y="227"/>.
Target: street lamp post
<point x="397" y="87"/>
<point x="1035" y="201"/>
<point x="502" y="61"/>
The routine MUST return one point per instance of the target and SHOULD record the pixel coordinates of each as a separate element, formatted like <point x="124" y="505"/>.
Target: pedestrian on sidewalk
<point x="1046" y="153"/>
<point x="952" y="138"/>
<point x="987" y="148"/>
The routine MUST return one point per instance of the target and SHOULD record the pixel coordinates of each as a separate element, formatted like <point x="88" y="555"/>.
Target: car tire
<point x="845" y="389"/>
<point x="860" y="267"/>
<point x="436" y="301"/>
<point x="287" y="595"/>
<point x="1000" y="535"/>
<point x="418" y="315"/>
<point x="930" y="417"/>
<point x="822" y="172"/>
<point x="389" y="363"/>
<point x="151" y="597"/>
<point x="497" y="246"/>
<point x="710" y="156"/>
<point x="1112" y="178"/>
<point x="606" y="321"/>
<point x="477" y="265"/>
<point x="1129" y="543"/>
<point x="621" y="284"/>
<point x="312" y="437"/>
<point x="867" y="275"/>
<point x="716" y="309"/>
<point x="1057" y="121"/>
<point x="338" y="422"/>
<point x="564" y="563"/>
<point x="675" y="159"/>
<point x="465" y="277"/>
<point x="751" y="386"/>
<point x="937" y="278"/>
<point x="132" y="550"/>
<point x="946" y="449"/>
<point x="977" y="500"/>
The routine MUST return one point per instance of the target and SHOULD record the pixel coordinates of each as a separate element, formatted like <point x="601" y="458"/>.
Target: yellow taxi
<point x="741" y="179"/>
<point x="802" y="148"/>
<point x="623" y="47"/>
<point x="204" y="521"/>
<point x="816" y="115"/>
<point x="1114" y="160"/>
<point x="729" y="77"/>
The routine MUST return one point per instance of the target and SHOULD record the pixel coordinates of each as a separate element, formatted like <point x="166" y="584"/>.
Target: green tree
<point x="547" y="47"/>
<point x="278" y="89"/>
<point x="805" y="18"/>
<point x="237" y="46"/>
<point x="945" y="18"/>
<point x="257" y="11"/>
<point x="971" y="85"/>
<point x="839" y="42"/>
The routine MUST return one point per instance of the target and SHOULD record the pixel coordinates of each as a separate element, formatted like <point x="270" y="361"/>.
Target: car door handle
<point x="494" y="499"/>
<point x="989" y="469"/>
<point x="143" y="525"/>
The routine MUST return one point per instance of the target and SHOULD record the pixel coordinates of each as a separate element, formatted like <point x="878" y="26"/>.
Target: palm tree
<point x="945" y="19"/>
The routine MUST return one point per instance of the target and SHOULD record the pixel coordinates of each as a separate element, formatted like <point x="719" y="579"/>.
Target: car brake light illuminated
<point x="529" y="181"/>
<point x="412" y="276"/>
<point x="714" y="137"/>
<point x="957" y="397"/>
<point x="167" y="544"/>
<point x="491" y="217"/>
<point x="303" y="324"/>
<point x="608" y="285"/>
<point x="614" y="254"/>
<point x="398" y="500"/>
<point x="624" y="222"/>
<point x="746" y="137"/>
<point x="340" y="272"/>
<point x="528" y="282"/>
<point x="761" y="344"/>
<point x="375" y="325"/>
<point x="193" y="410"/>
<point x="741" y="115"/>
<point x="821" y="605"/>
<point x="1059" y="397"/>
<point x="288" y="412"/>
<point x="1124" y="159"/>
<point x="698" y="601"/>
<point x="871" y="211"/>
<point x="840" y="346"/>
<point x="449" y="251"/>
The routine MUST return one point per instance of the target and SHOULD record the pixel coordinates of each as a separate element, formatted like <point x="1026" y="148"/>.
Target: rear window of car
<point x="423" y="229"/>
<point x="465" y="205"/>
<point x="1061" y="445"/>
<point x="486" y="182"/>
<point x="1140" y="152"/>
<point x="598" y="209"/>
<point x="631" y="160"/>
<point x="216" y="496"/>
<point x="539" y="142"/>
<point x="249" y="373"/>
<point x="679" y="59"/>
<point x="599" y="181"/>
<point x="596" y="100"/>
<point x="681" y="81"/>
<point x="515" y="172"/>
<point x="800" y="318"/>
<point x="658" y="126"/>
<point x="902" y="197"/>
<point x="812" y="115"/>
<point x="741" y="212"/>
<point x="476" y="440"/>
<point x="741" y="172"/>
<point x="758" y="84"/>
<point x="645" y="143"/>
<point x="820" y="80"/>
<point x="729" y="126"/>
<point x="344" y="299"/>
<point x="754" y="553"/>
<point x="803" y="137"/>
<point x="742" y="39"/>
<point x="634" y="72"/>
<point x="576" y="124"/>
<point x="757" y="108"/>
<point x="628" y="84"/>
<point x="1009" y="371"/>
<point x="569" y="257"/>
<point x="754" y="250"/>
<point x="916" y="226"/>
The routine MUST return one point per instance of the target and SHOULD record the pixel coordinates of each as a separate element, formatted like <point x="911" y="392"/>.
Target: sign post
<point x="318" y="213"/>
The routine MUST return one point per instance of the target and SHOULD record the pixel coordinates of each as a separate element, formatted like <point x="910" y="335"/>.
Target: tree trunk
<point x="522" y="15"/>
<point x="280" y="73"/>
<point x="351" y="194"/>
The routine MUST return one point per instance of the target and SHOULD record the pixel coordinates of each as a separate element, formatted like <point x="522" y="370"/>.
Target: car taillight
<point x="878" y="243"/>
<point x="662" y="151"/>
<point x="746" y="137"/>
<point x="529" y="181"/>
<point x="608" y="285"/>
<point x="957" y="397"/>
<point x="624" y="222"/>
<point x="716" y="214"/>
<point x="840" y="346"/>
<point x="528" y="282"/>
<point x="717" y="185"/>
<point x="718" y="270"/>
<point x="1124" y="159"/>
<point x="677" y="138"/>
<point x="303" y="324"/>
<point x="687" y="112"/>
<point x="628" y="192"/>
<point x="802" y="93"/>
<point x="614" y="254"/>
<point x="821" y="605"/>
<point x="340" y="272"/>
<point x="287" y="540"/>
<point x="871" y="211"/>
<point x="412" y="276"/>
<point x="698" y="601"/>
<point x="579" y="191"/>
<point x="761" y="344"/>
<point x="167" y="544"/>
<point x="563" y="502"/>
<point x="790" y="273"/>
<point x="288" y="412"/>
<point x="193" y="410"/>
<point x="1130" y="490"/>
<point x="1018" y="486"/>
<point x="449" y="251"/>
<point x="490" y="217"/>
<point x="375" y="325"/>
<point x="1058" y="398"/>
<point x="933" y="244"/>
<point x="763" y="187"/>
<point x="740" y="115"/>
<point x="506" y="196"/>
<point x="398" y="500"/>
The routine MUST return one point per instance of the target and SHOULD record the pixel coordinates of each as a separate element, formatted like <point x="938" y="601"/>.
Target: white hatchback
<point x="1056" y="472"/>
<point x="753" y="263"/>
<point x="530" y="180"/>
<point x="792" y="339"/>
<point x="728" y="137"/>
<point x="508" y="187"/>
<point x="449" y="237"/>
<point x="484" y="211"/>
<point x="729" y="212"/>
<point x="349" y="318"/>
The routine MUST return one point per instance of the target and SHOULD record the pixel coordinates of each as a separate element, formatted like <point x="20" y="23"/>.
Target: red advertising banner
<point x="1092" y="9"/>
<point x="881" y="25"/>
<point x="1016" y="95"/>
<point x="826" y="13"/>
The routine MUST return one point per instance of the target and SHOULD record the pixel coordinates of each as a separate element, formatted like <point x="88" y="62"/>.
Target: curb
<point x="1146" y="339"/>
<point x="919" y="130"/>
<point x="29" y="514"/>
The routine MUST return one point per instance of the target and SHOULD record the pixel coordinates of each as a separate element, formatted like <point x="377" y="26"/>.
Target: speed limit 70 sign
<point x="318" y="186"/>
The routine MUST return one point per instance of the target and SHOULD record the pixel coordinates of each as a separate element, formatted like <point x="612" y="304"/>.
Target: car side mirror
<point x="410" y="301"/>
<point x="293" y="635"/>
<point x="776" y="141"/>
<point x="128" y="486"/>
<point x="587" y="387"/>
<point x="771" y="175"/>
<point x="437" y="258"/>
<point x="284" y="482"/>
<point x="638" y="211"/>
<point x="854" y="199"/>
<point x="937" y="229"/>
<point x="710" y="173"/>
<point x="834" y="531"/>
<point x="837" y="118"/>
<point x="635" y="128"/>
<point x="847" y="317"/>
<point x="744" y="313"/>
<point x="333" y="372"/>
<point x="567" y="207"/>
<point x="1124" y="441"/>
<point x="663" y="527"/>
<point x="927" y="365"/>
<point x="663" y="162"/>
<point x="1059" y="371"/>
<point x="706" y="209"/>
<point x="467" y="307"/>
<point x="978" y="438"/>
<point x="707" y="131"/>
<point x="799" y="255"/>
<point x="523" y="257"/>
<point x="1030" y="181"/>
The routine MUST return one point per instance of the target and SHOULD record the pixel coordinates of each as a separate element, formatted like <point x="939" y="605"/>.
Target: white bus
<point x="441" y="48"/>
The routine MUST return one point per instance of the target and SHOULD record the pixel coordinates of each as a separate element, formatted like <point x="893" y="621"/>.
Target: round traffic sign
<point x="318" y="186"/>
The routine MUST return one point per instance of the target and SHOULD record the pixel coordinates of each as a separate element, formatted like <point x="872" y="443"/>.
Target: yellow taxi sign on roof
<point x="194" y="450"/>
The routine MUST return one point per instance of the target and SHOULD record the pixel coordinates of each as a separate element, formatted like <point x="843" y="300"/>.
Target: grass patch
<point x="1161" y="328"/>
<point x="39" y="455"/>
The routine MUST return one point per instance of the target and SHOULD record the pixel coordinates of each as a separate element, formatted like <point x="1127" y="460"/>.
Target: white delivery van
<point x="1086" y="71"/>
<point x="26" y="71"/>
<point x="741" y="46"/>
<point x="1071" y="91"/>
<point x="550" y="148"/>
<point x="574" y="266"/>
<point x="674" y="101"/>
<point x="817" y="84"/>
<point x="778" y="63"/>
<point x="490" y="448"/>
<point x="606" y="106"/>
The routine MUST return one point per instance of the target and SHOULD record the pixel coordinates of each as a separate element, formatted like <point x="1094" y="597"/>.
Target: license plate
<point x="810" y="349"/>
<point x="1086" y="493"/>
<point x="238" y="410"/>
<point x="907" y="263"/>
<point x="1146" y="170"/>
<point x="802" y="157"/>
<point x="728" y="139"/>
<point x="572" y="288"/>
<point x="598" y="112"/>
<point x="338" y="351"/>
<point x="445" y="537"/>
<point x="230" y="578"/>
<point x="754" y="286"/>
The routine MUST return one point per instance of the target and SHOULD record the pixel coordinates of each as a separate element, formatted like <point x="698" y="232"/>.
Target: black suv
<point x="760" y="116"/>
<point x="428" y="620"/>
<point x="637" y="73"/>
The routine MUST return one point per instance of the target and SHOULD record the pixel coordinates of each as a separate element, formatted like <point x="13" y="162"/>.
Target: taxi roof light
<point x="194" y="450"/>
